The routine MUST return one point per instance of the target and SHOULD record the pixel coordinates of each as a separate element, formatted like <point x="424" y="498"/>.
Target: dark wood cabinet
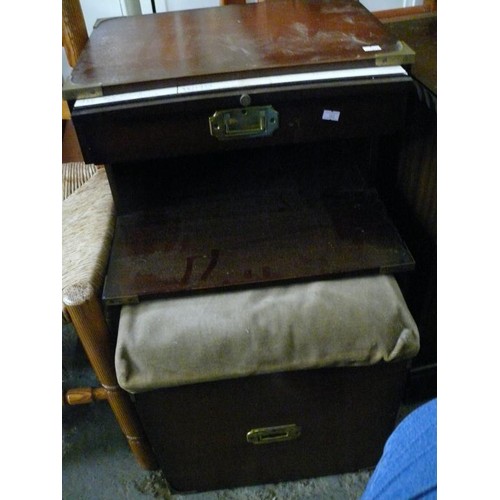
<point x="229" y="162"/>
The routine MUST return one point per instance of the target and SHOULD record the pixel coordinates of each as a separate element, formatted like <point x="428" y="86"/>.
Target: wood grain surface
<point x="228" y="41"/>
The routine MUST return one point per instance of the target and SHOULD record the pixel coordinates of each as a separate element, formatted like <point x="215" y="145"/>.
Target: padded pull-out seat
<point x="185" y="340"/>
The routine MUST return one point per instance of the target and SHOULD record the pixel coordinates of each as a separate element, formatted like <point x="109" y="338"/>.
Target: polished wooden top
<point x="233" y="41"/>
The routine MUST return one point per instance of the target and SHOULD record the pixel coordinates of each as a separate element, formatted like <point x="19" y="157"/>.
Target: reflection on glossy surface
<point x="230" y="40"/>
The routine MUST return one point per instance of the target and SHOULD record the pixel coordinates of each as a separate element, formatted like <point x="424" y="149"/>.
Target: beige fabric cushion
<point x="87" y="230"/>
<point x="349" y="322"/>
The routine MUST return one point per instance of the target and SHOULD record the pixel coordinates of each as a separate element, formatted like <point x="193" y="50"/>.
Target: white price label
<point x="330" y="115"/>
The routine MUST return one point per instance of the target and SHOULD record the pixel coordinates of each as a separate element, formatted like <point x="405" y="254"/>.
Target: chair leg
<point x="87" y="316"/>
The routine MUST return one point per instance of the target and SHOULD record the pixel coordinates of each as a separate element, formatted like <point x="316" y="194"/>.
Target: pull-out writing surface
<point x="224" y="244"/>
<point x="305" y="214"/>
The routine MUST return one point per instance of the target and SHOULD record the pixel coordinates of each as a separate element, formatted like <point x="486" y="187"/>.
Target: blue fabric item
<point x="408" y="466"/>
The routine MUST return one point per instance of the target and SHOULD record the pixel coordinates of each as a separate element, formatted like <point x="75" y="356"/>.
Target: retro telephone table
<point x="240" y="144"/>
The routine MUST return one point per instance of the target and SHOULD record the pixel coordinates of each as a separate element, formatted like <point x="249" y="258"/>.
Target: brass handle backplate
<point x="248" y="122"/>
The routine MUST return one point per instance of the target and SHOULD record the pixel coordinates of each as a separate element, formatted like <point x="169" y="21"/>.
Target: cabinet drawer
<point x="168" y="127"/>
<point x="313" y="423"/>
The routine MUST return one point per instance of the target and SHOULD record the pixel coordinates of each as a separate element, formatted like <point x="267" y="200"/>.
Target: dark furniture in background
<point x="412" y="192"/>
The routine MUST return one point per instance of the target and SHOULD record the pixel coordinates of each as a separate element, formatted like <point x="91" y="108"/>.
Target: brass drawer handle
<point x="277" y="434"/>
<point x="252" y="121"/>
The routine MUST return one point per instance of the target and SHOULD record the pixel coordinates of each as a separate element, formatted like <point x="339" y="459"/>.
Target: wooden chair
<point x="88" y="223"/>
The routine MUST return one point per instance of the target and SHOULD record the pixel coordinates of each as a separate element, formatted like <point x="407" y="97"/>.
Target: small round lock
<point x="245" y="100"/>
